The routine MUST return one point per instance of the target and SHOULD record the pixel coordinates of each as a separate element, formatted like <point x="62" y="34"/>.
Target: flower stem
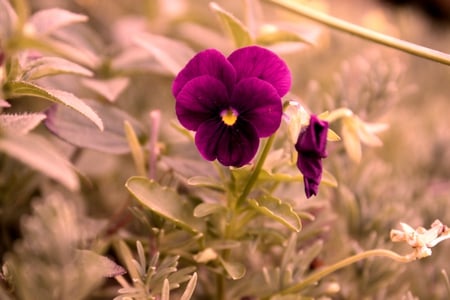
<point x="344" y="263"/>
<point x="336" y="23"/>
<point x="338" y="113"/>
<point x="220" y="287"/>
<point x="254" y="176"/>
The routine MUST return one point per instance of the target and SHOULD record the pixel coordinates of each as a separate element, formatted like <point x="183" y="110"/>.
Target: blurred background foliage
<point x="407" y="179"/>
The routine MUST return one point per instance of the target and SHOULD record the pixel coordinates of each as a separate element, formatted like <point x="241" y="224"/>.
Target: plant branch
<point x="313" y="278"/>
<point x="344" y="26"/>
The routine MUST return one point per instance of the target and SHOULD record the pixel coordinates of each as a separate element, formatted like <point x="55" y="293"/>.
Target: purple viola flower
<point x="311" y="147"/>
<point x="231" y="102"/>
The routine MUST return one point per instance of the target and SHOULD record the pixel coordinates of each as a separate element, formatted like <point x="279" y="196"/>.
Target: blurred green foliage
<point x="68" y="218"/>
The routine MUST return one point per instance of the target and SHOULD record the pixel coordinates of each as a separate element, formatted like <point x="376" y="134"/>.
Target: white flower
<point x="421" y="239"/>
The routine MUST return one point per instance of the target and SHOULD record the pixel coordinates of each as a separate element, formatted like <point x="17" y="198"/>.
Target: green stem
<point x="220" y="287"/>
<point x="392" y="42"/>
<point x="251" y="181"/>
<point x="344" y="263"/>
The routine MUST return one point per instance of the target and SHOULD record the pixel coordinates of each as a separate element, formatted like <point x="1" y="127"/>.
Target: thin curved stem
<point x="254" y="176"/>
<point x="344" y="26"/>
<point x="344" y="263"/>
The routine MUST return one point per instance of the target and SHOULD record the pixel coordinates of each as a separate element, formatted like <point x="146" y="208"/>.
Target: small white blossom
<point x="421" y="239"/>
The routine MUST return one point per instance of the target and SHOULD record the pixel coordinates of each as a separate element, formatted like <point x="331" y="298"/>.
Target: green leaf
<point x="238" y="31"/>
<point x="277" y="210"/>
<point x="20" y="124"/>
<point x="36" y="152"/>
<point x="126" y="256"/>
<point x="190" y="287"/>
<point x="303" y="259"/>
<point x="234" y="269"/>
<point x="47" y="21"/>
<point x="206" y="209"/>
<point x="77" y="53"/>
<point x="22" y="88"/>
<point x="223" y="244"/>
<point x="351" y="139"/>
<point x="327" y="177"/>
<point x="79" y="131"/>
<point x="98" y="264"/>
<point x="110" y="89"/>
<point x="205" y="181"/>
<point x="165" y="292"/>
<point x="171" y="54"/>
<point x="164" y="202"/>
<point x="332" y="136"/>
<point x="136" y="150"/>
<point x="47" y="66"/>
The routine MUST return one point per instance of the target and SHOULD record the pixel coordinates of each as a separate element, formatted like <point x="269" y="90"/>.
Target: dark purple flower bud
<point x="311" y="147"/>
<point x="231" y="102"/>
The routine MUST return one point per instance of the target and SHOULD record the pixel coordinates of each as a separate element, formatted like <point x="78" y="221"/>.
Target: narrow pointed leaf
<point x="327" y="178"/>
<point x="99" y="264"/>
<point x="237" y="30"/>
<point x="206" y="209"/>
<point x="22" y="88"/>
<point x="39" y="154"/>
<point x="126" y="257"/>
<point x="277" y="210"/>
<point x="79" y="131"/>
<point x="332" y="136"/>
<point x="165" y="293"/>
<point x="47" y="21"/>
<point x="205" y="181"/>
<point x="136" y="150"/>
<point x="47" y="66"/>
<point x="351" y="139"/>
<point x="75" y="53"/>
<point x="190" y="288"/>
<point x="164" y="202"/>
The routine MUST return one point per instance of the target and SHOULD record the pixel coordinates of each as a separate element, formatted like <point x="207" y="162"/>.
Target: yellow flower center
<point x="229" y="116"/>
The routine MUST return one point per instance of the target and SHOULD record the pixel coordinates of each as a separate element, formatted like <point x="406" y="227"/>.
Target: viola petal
<point x="208" y="137"/>
<point x="314" y="138"/>
<point x="311" y="186"/>
<point x="310" y="166"/>
<point x="258" y="103"/>
<point x="208" y="62"/>
<point x="200" y="99"/>
<point x="232" y="145"/>
<point x="255" y="61"/>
